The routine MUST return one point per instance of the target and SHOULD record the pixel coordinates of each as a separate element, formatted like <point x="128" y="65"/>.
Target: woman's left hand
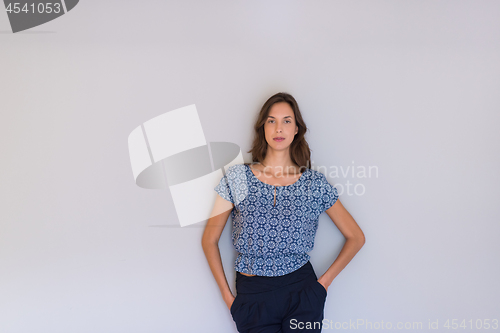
<point x="320" y="280"/>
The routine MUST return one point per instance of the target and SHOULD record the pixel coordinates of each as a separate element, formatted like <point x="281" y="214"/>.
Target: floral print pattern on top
<point x="273" y="239"/>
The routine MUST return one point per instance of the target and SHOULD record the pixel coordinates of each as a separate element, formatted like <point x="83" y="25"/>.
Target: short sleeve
<point x="329" y="195"/>
<point x="224" y="190"/>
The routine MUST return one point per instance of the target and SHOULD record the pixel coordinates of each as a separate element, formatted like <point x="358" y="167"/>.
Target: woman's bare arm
<point x="355" y="239"/>
<point x="210" y="243"/>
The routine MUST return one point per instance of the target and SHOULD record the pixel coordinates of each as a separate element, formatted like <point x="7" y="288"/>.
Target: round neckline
<point x="277" y="186"/>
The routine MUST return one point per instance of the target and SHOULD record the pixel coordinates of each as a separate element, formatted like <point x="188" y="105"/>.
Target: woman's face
<point x="280" y="123"/>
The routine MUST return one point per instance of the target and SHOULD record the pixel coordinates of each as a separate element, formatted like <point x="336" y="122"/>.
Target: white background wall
<point x="410" y="87"/>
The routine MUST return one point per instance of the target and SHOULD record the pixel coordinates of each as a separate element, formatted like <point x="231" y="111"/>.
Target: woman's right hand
<point x="229" y="301"/>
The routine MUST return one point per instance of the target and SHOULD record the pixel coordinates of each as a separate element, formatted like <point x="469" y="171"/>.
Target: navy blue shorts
<point x="290" y="303"/>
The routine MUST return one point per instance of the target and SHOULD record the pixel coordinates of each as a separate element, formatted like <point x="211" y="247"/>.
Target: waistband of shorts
<point x="257" y="284"/>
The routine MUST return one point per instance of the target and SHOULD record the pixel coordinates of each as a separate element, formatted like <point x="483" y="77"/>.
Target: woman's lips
<point x="278" y="139"/>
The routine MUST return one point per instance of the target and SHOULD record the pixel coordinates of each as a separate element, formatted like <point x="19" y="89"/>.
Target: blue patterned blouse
<point x="272" y="239"/>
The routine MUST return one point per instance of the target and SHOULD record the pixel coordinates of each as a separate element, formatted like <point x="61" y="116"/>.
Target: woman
<point x="275" y="204"/>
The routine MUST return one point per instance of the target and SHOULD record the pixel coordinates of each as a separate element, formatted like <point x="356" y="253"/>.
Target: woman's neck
<point x="276" y="168"/>
<point x="278" y="159"/>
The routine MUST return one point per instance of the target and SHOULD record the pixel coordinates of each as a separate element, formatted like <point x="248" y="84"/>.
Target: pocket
<point x="322" y="287"/>
<point x="231" y="309"/>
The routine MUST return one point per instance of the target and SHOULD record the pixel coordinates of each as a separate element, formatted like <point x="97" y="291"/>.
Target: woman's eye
<point x="286" y="121"/>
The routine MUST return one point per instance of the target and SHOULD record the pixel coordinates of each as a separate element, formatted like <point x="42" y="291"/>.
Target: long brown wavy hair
<point x="300" y="153"/>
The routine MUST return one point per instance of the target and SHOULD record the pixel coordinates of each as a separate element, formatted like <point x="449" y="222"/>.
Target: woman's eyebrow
<point x="283" y="117"/>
